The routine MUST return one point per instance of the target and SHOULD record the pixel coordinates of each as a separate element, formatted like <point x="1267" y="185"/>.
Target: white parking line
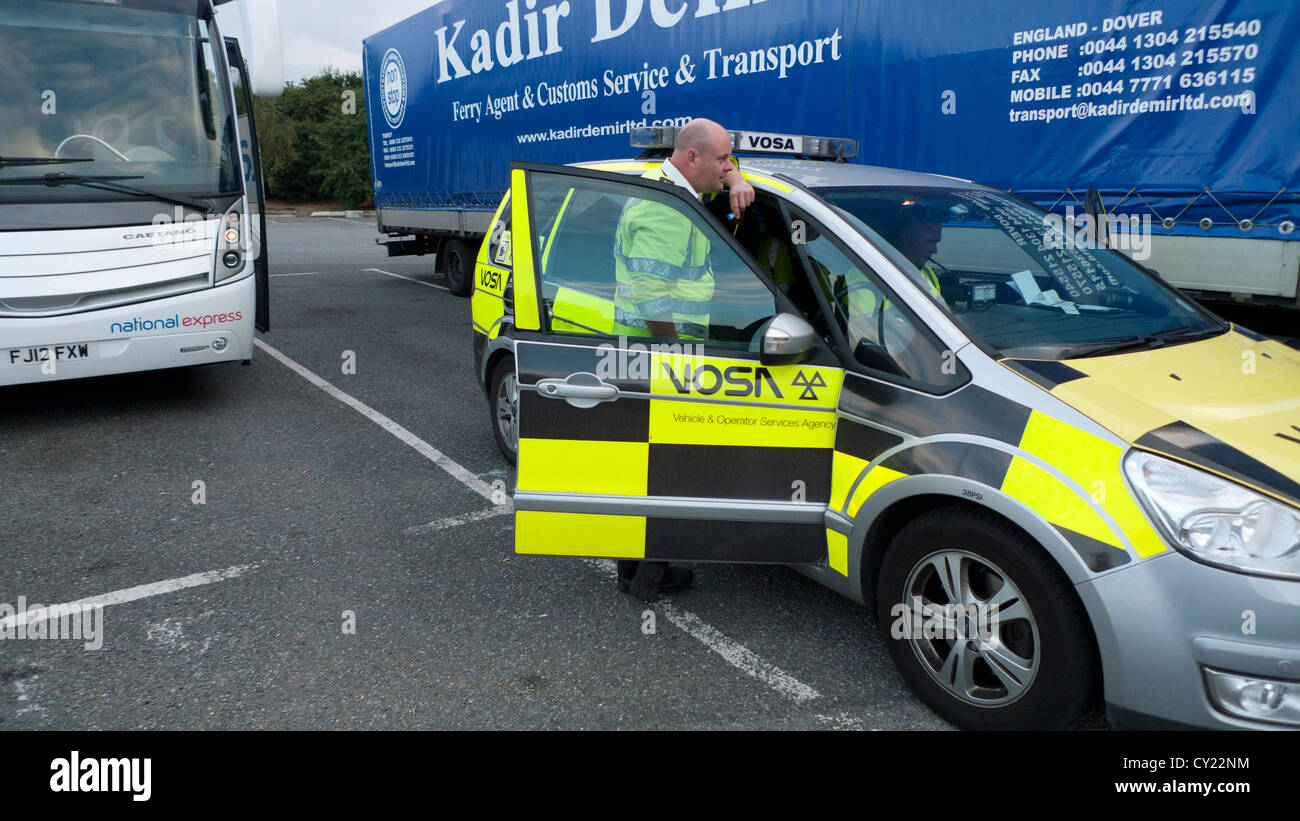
<point x="841" y="721"/>
<point x="129" y="594"/>
<point x="30" y="706"/>
<point x="453" y="521"/>
<point x="736" y="654"/>
<point x="409" y="279"/>
<point x="302" y="274"/>
<point x="426" y="450"/>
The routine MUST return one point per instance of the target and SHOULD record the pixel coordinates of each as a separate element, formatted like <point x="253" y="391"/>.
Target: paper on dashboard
<point x="1029" y="291"/>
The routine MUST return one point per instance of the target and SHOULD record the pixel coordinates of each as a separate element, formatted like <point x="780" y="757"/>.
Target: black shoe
<point x="647" y="580"/>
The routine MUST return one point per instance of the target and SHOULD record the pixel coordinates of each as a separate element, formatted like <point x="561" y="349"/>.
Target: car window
<point x="882" y="335"/>
<point x="626" y="260"/>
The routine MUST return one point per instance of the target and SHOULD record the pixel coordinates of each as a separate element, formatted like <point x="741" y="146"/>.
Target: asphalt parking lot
<point x="332" y="498"/>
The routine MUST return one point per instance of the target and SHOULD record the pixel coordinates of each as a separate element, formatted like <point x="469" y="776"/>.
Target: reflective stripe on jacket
<point x="661" y="267"/>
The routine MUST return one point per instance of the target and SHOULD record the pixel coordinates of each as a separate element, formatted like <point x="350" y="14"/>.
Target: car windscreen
<point x="1018" y="279"/>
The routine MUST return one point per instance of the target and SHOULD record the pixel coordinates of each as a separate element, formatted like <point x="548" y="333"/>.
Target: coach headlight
<point x="232" y="245"/>
<point x="1217" y="521"/>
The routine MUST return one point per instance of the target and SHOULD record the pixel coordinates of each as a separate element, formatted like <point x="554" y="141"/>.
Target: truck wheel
<point x="1000" y="641"/>
<point x="457" y="265"/>
<point x="503" y="404"/>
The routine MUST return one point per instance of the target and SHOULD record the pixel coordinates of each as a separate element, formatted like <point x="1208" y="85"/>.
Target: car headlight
<point x="1215" y="520"/>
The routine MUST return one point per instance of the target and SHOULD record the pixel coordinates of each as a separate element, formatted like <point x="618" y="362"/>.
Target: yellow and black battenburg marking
<point x="736" y="434"/>
<point x="487" y="305"/>
<point x="491" y="275"/>
<point x="730" y="429"/>
<point x="1229" y="405"/>
<point x="733" y="432"/>
<point x="1048" y="466"/>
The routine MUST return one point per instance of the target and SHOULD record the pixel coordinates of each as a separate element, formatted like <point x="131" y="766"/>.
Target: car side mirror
<point x="787" y="340"/>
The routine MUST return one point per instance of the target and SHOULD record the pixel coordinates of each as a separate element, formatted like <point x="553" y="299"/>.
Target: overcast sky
<point x="321" y="33"/>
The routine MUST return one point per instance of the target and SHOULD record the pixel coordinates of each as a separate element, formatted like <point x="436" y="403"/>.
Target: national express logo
<point x="393" y="88"/>
<point x="137" y="324"/>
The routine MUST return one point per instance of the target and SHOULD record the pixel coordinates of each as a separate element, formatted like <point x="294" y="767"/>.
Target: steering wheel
<point x="67" y="140"/>
<point x="897" y="337"/>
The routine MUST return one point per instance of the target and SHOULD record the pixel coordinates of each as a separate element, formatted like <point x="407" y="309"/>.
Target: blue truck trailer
<point x="1166" y="129"/>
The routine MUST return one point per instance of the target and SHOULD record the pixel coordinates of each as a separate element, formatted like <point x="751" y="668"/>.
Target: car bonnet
<point x="1229" y="404"/>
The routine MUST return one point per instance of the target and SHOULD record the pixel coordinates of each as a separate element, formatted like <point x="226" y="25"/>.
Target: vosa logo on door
<point x="392" y="89"/>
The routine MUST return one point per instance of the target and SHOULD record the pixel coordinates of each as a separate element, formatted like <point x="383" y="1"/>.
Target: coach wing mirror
<point x="261" y="46"/>
<point x="787" y="340"/>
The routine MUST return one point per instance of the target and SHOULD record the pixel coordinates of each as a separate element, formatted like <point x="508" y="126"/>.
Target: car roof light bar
<point x="663" y="138"/>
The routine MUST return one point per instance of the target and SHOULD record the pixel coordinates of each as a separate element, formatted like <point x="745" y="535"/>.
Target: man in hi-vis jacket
<point x="665" y="283"/>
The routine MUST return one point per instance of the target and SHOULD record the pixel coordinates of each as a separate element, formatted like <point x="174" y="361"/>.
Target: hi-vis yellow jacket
<point x="661" y="268"/>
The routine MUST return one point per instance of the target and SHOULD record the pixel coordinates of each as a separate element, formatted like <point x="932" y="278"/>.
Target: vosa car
<point x="1050" y="475"/>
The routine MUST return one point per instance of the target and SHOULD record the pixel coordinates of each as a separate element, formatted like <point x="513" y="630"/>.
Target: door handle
<point x="560" y="389"/>
<point x="582" y="390"/>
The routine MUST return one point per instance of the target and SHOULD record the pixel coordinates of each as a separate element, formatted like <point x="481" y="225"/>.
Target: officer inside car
<point x="916" y="232"/>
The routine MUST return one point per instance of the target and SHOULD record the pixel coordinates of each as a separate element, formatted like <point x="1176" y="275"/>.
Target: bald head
<point x="700" y="134"/>
<point x="702" y="152"/>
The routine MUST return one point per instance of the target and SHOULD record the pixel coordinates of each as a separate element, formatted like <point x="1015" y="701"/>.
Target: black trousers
<point x="627" y="568"/>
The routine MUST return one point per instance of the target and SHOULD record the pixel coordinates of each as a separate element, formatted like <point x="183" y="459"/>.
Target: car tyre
<point x="1034" y="667"/>
<point x="458" y="267"/>
<point x="503" y="405"/>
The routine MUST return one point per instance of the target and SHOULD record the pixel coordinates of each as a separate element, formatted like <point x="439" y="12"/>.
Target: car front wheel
<point x="983" y="624"/>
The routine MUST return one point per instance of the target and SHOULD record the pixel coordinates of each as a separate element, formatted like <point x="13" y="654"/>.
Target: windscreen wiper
<point x="1140" y="341"/>
<point x="107" y="183"/>
<point x="8" y="162"/>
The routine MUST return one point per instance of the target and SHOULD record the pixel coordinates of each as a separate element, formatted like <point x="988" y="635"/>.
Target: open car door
<point x="641" y="447"/>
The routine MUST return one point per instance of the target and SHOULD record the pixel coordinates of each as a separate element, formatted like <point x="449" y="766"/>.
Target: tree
<point x="314" y="140"/>
<point x="346" y="174"/>
<point x="277" y="138"/>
